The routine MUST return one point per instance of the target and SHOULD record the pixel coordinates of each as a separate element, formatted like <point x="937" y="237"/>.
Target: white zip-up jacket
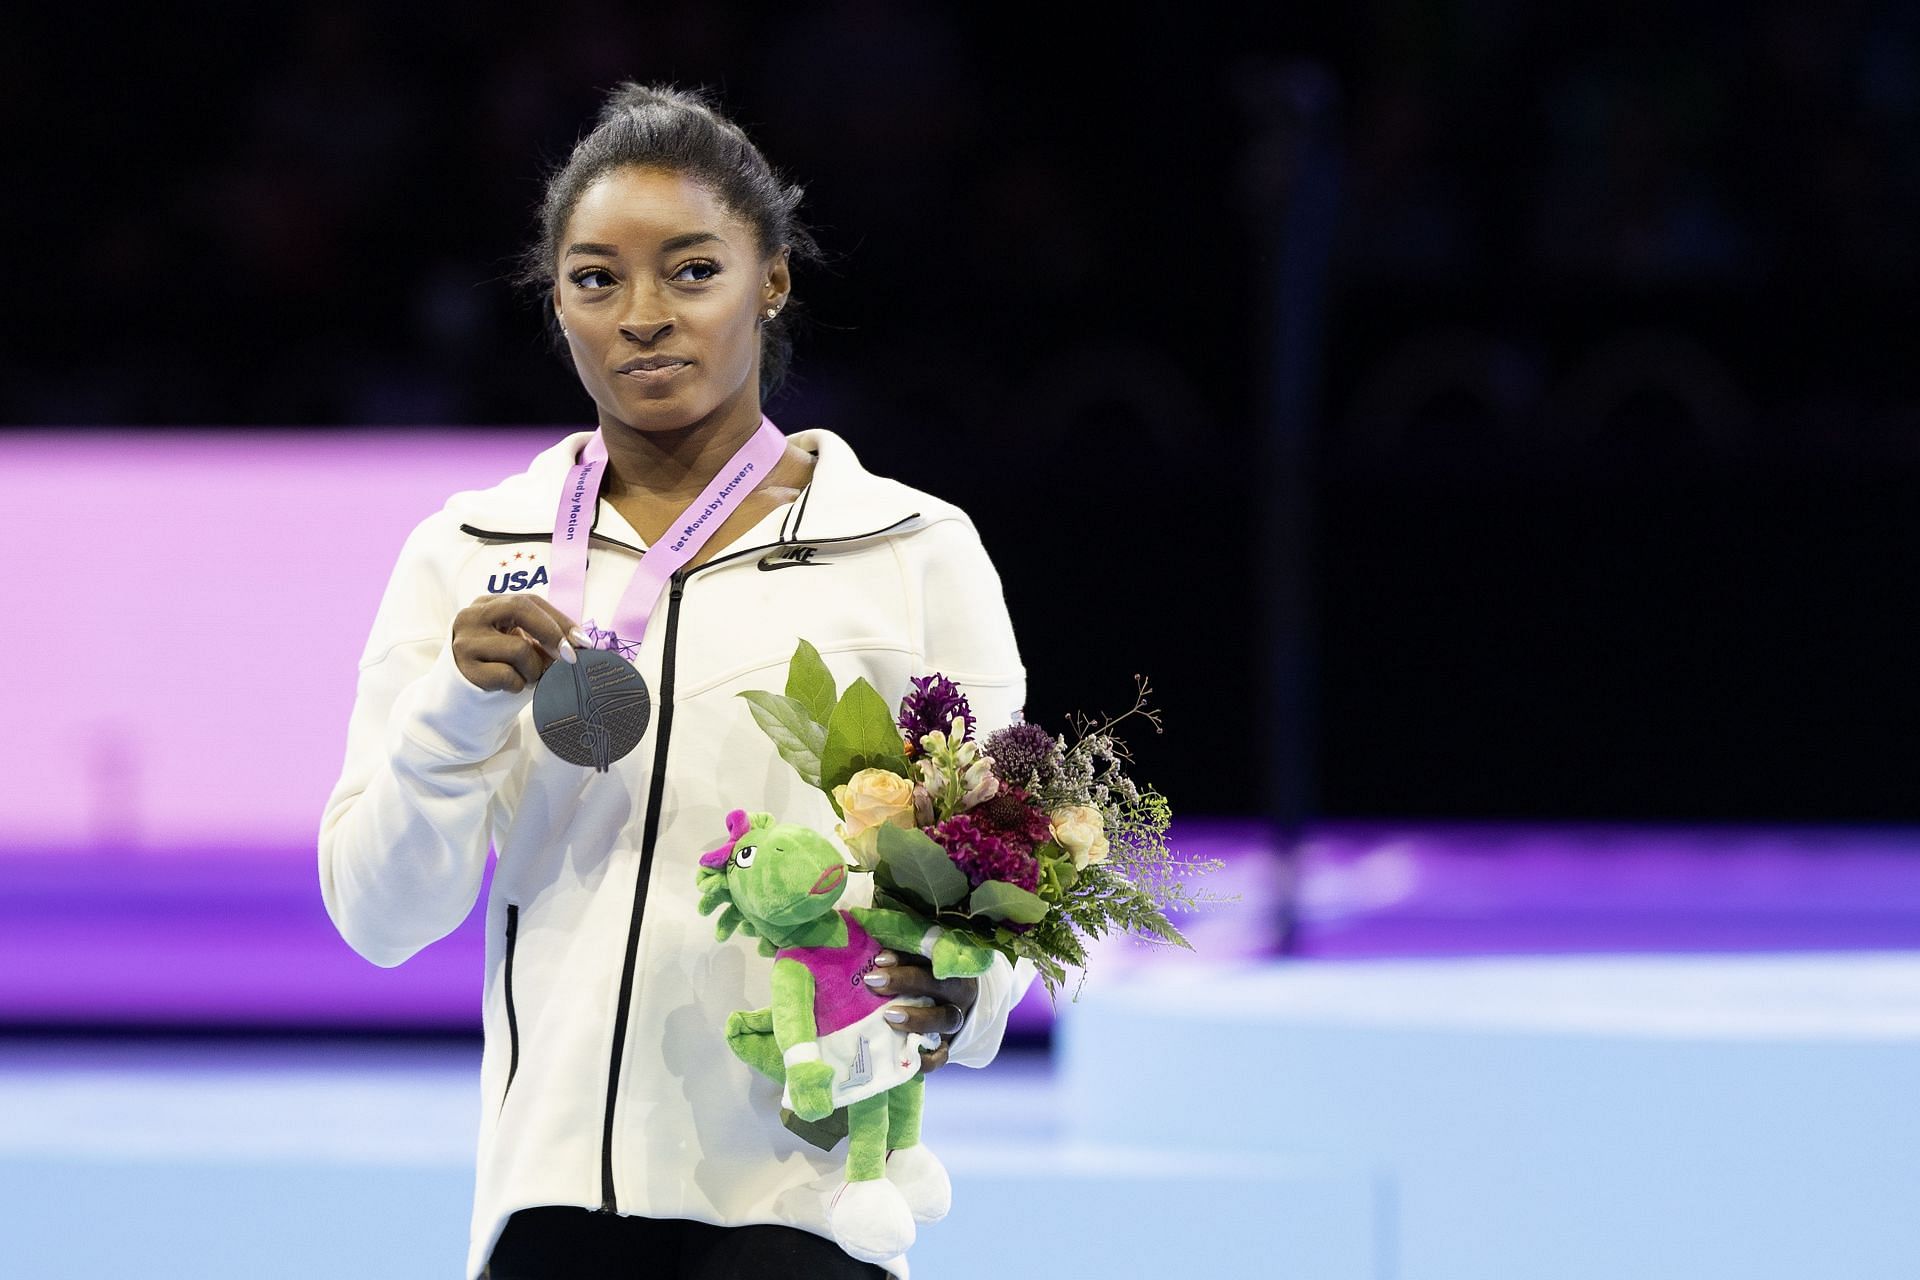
<point x="606" y="1080"/>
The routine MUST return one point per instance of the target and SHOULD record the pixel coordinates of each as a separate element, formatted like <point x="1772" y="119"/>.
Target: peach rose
<point x="871" y="799"/>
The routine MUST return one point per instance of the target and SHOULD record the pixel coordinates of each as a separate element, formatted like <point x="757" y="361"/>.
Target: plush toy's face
<point x="785" y="875"/>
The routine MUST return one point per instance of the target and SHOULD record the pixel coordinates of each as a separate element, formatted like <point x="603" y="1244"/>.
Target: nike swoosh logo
<point x="780" y="560"/>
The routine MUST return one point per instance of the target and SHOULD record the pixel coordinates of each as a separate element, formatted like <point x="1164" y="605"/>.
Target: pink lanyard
<point x="579" y="499"/>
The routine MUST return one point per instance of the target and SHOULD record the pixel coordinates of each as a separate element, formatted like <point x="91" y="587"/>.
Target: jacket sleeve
<point x="968" y="637"/>
<point x="405" y="835"/>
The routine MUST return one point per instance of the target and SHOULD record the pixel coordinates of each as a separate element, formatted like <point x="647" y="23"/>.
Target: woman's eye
<point x="592" y="278"/>
<point x="698" y="271"/>
<point x="743" y="857"/>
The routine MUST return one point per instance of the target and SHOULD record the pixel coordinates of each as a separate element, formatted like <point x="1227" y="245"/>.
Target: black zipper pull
<point x="676" y="584"/>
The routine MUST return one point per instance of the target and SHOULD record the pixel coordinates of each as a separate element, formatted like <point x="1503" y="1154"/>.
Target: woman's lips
<point x="652" y="370"/>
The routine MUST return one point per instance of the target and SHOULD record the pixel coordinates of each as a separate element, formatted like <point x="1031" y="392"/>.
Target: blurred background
<point x="1493" y="429"/>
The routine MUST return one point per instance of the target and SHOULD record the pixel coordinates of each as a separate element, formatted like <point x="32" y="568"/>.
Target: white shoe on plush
<point x="923" y="1180"/>
<point x="871" y="1221"/>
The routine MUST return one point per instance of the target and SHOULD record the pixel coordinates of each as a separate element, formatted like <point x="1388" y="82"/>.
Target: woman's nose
<point x="646" y="331"/>
<point x="648" y="319"/>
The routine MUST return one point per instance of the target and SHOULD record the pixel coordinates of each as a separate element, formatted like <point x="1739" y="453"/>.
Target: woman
<point x="616" y="1125"/>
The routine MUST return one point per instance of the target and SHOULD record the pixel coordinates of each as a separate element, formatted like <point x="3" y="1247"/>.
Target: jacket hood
<point x="843" y="499"/>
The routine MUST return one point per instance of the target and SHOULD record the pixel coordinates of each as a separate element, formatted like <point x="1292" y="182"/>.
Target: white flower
<point x="1082" y="832"/>
<point x="978" y="779"/>
<point x="956" y="773"/>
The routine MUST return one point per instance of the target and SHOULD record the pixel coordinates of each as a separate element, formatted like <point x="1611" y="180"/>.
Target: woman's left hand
<point x="902" y="975"/>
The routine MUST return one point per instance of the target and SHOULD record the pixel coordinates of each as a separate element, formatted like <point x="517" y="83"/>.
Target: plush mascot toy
<point x="830" y="1044"/>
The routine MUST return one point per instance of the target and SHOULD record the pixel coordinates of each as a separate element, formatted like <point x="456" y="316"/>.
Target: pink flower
<point x="985" y="856"/>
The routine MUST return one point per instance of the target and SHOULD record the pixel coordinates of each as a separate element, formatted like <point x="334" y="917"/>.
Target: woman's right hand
<point x="508" y="641"/>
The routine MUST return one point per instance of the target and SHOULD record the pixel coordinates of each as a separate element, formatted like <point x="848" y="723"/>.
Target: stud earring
<point x="772" y="312"/>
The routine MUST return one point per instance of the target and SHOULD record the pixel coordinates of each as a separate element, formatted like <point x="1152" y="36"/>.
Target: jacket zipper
<point x="513" y="1023"/>
<point x="609" y="1202"/>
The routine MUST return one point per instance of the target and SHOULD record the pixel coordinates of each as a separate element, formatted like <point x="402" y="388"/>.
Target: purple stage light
<point x="239" y="938"/>
<point x="205" y="598"/>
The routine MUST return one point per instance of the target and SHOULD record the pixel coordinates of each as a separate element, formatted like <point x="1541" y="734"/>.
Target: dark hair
<point x="660" y="127"/>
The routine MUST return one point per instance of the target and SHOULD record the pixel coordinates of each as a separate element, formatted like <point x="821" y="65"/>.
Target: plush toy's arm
<point x="809" y="1080"/>
<point x="895" y="929"/>
<point x="951" y="957"/>
<point x="713" y="894"/>
<point x="750" y="1036"/>
<point x="793" y="989"/>
<point x="712" y="885"/>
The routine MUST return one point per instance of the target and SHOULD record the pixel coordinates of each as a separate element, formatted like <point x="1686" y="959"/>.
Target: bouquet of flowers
<point x="1028" y="843"/>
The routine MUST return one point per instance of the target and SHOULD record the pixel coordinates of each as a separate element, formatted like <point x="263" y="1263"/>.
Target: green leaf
<point x="860" y="735"/>
<point x="891" y="895"/>
<point x="1161" y="927"/>
<point x="810" y="684"/>
<point x="998" y="900"/>
<point x="1056" y="870"/>
<point x="919" y="866"/>
<point x="968" y="938"/>
<point x="796" y="736"/>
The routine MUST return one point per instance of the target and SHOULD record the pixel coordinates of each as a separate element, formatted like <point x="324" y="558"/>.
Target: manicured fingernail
<point x="933" y="1039"/>
<point x="876" y="979"/>
<point x="566" y="651"/>
<point x="895" y="1015"/>
<point x="886" y="957"/>
<point x="579" y="637"/>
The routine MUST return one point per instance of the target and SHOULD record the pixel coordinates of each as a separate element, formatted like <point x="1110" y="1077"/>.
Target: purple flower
<point x="1023" y="754"/>
<point x="1011" y="816"/>
<point x="985" y="856"/>
<point x="931" y="705"/>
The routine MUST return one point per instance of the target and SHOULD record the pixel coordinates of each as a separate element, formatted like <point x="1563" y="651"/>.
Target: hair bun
<point x="630" y="96"/>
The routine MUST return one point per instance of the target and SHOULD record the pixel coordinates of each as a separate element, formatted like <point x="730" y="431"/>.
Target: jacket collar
<point x="843" y="500"/>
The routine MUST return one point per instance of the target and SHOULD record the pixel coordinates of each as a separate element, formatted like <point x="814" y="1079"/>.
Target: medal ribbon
<point x="573" y="521"/>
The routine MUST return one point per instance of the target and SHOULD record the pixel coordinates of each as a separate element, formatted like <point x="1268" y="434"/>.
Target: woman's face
<point x="661" y="292"/>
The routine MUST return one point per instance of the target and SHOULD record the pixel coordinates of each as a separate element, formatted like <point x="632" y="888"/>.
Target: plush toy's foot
<point x="922" y="1179"/>
<point x="871" y="1220"/>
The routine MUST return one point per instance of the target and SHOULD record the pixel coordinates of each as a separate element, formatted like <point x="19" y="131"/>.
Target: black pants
<point x="555" y="1243"/>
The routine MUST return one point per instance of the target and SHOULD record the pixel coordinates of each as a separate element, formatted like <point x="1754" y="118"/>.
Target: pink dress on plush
<point x="868" y="1054"/>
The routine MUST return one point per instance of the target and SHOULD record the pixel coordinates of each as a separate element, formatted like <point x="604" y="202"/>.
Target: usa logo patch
<point x="518" y="572"/>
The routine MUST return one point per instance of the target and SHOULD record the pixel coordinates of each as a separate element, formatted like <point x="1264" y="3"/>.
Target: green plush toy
<point x="830" y="1045"/>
